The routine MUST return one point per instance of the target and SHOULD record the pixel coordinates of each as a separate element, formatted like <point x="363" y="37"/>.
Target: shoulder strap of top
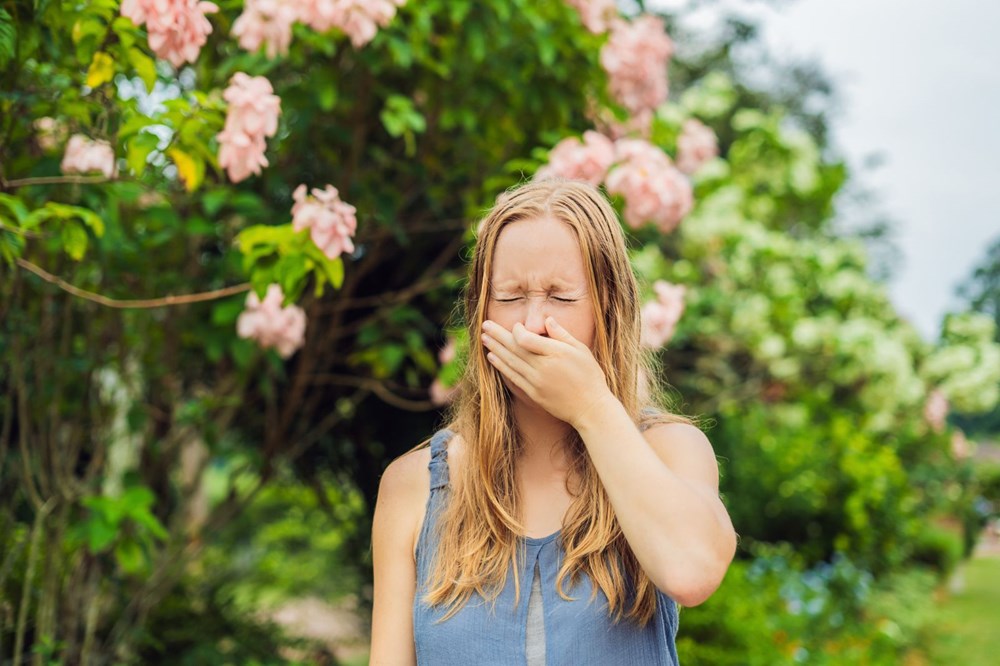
<point x="439" y="458"/>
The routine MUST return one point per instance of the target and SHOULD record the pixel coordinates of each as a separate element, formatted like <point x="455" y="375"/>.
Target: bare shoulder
<point x="402" y="496"/>
<point x="686" y="450"/>
<point x="406" y="474"/>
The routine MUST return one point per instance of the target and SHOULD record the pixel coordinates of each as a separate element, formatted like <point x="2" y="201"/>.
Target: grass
<point x="967" y="629"/>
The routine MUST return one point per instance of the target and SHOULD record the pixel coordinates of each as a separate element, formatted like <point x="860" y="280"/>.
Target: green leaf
<point x="144" y="66"/>
<point x="130" y="557"/>
<point x="100" y="534"/>
<point x="139" y="148"/>
<point x="8" y="38"/>
<point x="213" y="201"/>
<point x="74" y="240"/>
<point x="327" y="96"/>
<point x="14" y="205"/>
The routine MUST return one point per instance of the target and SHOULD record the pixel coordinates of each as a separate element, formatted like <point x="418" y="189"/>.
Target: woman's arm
<point x="664" y="487"/>
<point x="393" y="534"/>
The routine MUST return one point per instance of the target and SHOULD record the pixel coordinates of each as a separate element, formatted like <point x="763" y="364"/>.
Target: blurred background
<point x="232" y="236"/>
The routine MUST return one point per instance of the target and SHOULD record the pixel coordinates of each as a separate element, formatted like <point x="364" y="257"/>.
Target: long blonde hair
<point x="478" y="531"/>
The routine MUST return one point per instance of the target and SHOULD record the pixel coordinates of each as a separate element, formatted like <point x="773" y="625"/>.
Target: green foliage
<point x="937" y="548"/>
<point x="774" y="611"/>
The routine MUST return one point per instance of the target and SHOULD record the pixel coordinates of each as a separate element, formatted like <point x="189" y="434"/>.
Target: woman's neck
<point x="543" y="435"/>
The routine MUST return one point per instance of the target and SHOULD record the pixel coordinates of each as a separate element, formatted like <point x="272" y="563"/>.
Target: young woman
<point x="561" y="516"/>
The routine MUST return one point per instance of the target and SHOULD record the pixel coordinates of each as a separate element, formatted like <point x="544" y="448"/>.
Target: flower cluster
<point x="636" y="57"/>
<point x="84" y="156"/>
<point x="695" y="146"/>
<point x="177" y="28"/>
<point x="596" y="15"/>
<point x="660" y="316"/>
<point x="269" y="22"/>
<point x="252" y="115"/>
<point x="587" y="160"/>
<point x="330" y="221"/>
<point x="654" y="190"/>
<point x="272" y="325"/>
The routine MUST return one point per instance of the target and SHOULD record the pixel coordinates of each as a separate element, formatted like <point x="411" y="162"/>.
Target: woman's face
<point x="538" y="272"/>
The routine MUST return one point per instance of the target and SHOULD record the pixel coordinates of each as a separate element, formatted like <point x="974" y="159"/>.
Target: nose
<point x="534" y="316"/>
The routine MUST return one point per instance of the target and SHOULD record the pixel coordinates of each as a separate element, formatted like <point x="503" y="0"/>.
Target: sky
<point x="919" y="85"/>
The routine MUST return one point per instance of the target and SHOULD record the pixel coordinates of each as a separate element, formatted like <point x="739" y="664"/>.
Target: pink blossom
<point x="660" y="316"/>
<point x="695" y="146"/>
<point x="330" y="221"/>
<point x="51" y="133"/>
<point x="252" y="115"/>
<point x="654" y="190"/>
<point x="358" y="19"/>
<point x="272" y="325"/>
<point x="177" y="28"/>
<point x="447" y="353"/>
<point x="635" y="58"/>
<point x="84" y="156"/>
<point x="267" y="22"/>
<point x="587" y="160"/>
<point x="961" y="448"/>
<point x="596" y="15"/>
<point x="440" y="394"/>
<point x="936" y="410"/>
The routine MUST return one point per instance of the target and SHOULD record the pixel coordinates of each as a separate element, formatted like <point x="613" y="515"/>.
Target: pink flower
<point x="267" y="22"/>
<point x="177" y="28"/>
<point x="272" y="325"/>
<point x="961" y="448"/>
<point x="51" y="133"/>
<point x="635" y="58"/>
<point x="596" y="15"/>
<point x="252" y="115"/>
<point x="936" y="410"/>
<point x="447" y="353"/>
<point x="84" y="156"/>
<point x="330" y="221"/>
<point x="653" y="189"/>
<point x="660" y="316"/>
<point x="358" y="19"/>
<point x="695" y="146"/>
<point x="440" y="394"/>
<point x="587" y="160"/>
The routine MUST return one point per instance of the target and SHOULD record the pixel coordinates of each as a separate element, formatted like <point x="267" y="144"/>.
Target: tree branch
<point x="132" y="303"/>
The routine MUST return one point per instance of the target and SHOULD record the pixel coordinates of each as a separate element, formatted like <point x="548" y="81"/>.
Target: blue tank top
<point x="576" y="632"/>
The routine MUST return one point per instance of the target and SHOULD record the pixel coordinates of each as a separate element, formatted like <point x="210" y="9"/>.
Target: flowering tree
<point x="230" y="238"/>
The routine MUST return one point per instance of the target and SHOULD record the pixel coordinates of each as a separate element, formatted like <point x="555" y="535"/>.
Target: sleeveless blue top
<point x="576" y="632"/>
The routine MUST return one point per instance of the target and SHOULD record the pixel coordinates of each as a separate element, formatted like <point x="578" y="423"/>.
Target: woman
<point x="559" y="518"/>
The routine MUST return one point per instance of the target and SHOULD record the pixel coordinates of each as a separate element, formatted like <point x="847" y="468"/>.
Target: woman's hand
<point x="559" y="373"/>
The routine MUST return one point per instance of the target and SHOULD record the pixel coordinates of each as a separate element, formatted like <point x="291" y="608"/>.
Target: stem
<point x="29" y="574"/>
<point x="133" y="303"/>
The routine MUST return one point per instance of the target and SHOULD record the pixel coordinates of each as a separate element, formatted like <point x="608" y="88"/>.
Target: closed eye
<point x="565" y="300"/>
<point x="507" y="300"/>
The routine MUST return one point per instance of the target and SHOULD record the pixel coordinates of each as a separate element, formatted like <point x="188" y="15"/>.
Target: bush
<point x="774" y="611"/>
<point x="938" y="548"/>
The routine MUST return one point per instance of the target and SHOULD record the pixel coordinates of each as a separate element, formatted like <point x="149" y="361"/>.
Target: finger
<point x="557" y="332"/>
<point x="504" y="368"/>
<point x="507" y="355"/>
<point x="506" y="338"/>
<point x="532" y="342"/>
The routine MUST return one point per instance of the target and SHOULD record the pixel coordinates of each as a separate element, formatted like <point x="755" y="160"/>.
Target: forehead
<point x="538" y="250"/>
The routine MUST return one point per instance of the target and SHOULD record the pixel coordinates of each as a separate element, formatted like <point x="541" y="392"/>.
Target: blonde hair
<point x="478" y="531"/>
